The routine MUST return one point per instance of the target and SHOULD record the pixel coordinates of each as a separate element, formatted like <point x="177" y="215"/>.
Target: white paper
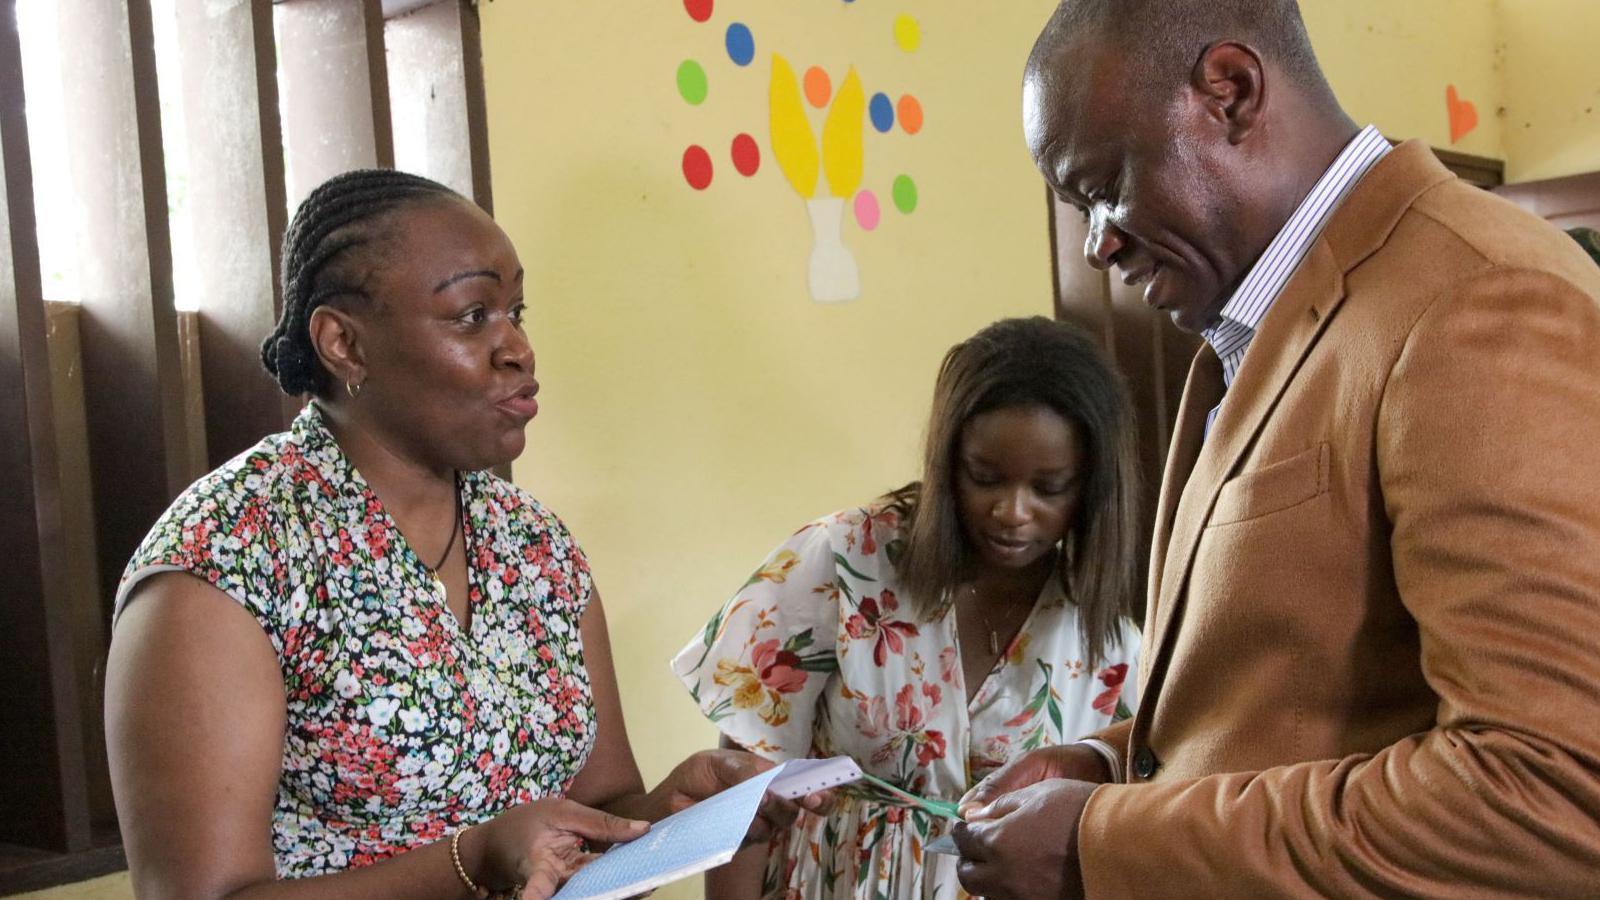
<point x="701" y="837"/>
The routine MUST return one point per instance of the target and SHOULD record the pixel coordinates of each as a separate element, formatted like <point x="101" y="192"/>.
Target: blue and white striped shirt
<point x="1243" y="312"/>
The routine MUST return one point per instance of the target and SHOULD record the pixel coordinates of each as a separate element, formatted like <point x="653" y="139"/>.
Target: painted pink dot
<point x="697" y="167"/>
<point x="698" y="10"/>
<point x="867" y="211"/>
<point x="746" y="155"/>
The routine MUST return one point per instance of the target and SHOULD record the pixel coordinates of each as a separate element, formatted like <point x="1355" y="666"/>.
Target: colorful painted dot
<point x="819" y="88"/>
<point x="746" y="155"/>
<point x="867" y="211"/>
<point x="907" y="33"/>
<point x="692" y="82"/>
<point x="881" y="111"/>
<point x="697" y="167"/>
<point x="698" y="10"/>
<point x="741" y="44"/>
<point x="905" y="194"/>
<point x="910" y="112"/>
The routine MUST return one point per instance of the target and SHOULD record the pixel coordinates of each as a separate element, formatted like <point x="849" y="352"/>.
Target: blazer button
<point x="1144" y="763"/>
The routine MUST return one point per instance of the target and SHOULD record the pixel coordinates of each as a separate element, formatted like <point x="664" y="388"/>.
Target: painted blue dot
<point x="881" y="109"/>
<point x="741" y="44"/>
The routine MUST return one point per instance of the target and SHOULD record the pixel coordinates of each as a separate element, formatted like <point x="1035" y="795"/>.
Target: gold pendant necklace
<point x="433" y="570"/>
<point x="994" y="635"/>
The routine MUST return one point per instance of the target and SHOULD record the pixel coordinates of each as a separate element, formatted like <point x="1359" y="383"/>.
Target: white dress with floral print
<point x="820" y="655"/>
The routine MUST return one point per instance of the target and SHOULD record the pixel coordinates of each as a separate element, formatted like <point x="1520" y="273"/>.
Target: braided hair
<point x="318" y="264"/>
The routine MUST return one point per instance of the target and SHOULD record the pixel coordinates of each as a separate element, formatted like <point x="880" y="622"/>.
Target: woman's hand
<point x="540" y="845"/>
<point x="714" y="771"/>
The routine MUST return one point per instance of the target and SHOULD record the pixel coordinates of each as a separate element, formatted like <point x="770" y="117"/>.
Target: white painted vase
<point x="834" y="277"/>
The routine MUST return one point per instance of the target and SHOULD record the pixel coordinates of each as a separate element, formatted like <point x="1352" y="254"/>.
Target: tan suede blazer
<point x="1373" y="637"/>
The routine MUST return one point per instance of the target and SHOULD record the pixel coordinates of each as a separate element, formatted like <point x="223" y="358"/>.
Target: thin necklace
<point x="455" y="526"/>
<point x="994" y="634"/>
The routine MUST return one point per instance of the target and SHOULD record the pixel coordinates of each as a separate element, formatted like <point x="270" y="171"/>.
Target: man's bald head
<point x="1162" y="40"/>
<point x="1185" y="131"/>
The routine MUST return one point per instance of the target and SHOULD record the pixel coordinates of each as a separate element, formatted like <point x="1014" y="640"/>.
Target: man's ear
<point x="336" y="336"/>
<point x="1231" y="80"/>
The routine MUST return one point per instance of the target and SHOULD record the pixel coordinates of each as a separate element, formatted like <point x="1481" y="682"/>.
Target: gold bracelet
<point x="461" y="871"/>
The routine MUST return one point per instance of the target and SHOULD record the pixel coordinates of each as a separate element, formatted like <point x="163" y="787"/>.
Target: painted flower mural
<point x="827" y="169"/>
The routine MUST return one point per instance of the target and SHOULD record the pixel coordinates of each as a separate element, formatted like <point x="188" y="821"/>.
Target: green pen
<point x="945" y="809"/>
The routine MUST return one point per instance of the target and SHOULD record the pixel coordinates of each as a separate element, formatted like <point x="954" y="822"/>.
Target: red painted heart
<point x="1463" y="114"/>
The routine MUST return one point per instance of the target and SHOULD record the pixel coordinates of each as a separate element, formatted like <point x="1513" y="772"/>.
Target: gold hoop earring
<point x="354" y="390"/>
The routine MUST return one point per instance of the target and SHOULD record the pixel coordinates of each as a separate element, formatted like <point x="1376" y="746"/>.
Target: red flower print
<point x="871" y="621"/>
<point x="1111" y="677"/>
<point x="907" y="715"/>
<point x="778" y="669"/>
<point x="930" y="747"/>
<point x="909" y="722"/>
<point x="872" y="716"/>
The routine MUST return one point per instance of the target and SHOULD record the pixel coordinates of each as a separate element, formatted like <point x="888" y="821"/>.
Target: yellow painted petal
<point x="793" y="143"/>
<point x="841" y="138"/>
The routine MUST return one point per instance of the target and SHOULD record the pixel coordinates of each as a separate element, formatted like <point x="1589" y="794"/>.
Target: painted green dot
<point x="905" y="194"/>
<point x="692" y="82"/>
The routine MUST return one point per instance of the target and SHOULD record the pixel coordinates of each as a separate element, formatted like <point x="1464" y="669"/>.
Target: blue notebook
<point x="703" y="836"/>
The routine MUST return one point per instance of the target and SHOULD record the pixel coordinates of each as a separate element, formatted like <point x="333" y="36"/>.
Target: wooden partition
<point x="237" y="210"/>
<point x="139" y="437"/>
<point x="335" y="88"/>
<point x="1572" y="202"/>
<point x="112" y="404"/>
<point x="43" y="798"/>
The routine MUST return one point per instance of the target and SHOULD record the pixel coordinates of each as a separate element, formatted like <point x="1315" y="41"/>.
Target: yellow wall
<point x="1552" y="74"/>
<point x="1391" y="60"/>
<point x="1528" y="65"/>
<point x="699" y="406"/>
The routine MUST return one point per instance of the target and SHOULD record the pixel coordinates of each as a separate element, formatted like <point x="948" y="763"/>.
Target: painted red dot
<point x="746" y="155"/>
<point x="697" y="167"/>
<point x="699" y="10"/>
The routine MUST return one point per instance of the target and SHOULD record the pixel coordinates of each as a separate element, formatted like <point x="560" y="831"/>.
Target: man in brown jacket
<point x="1372" y="645"/>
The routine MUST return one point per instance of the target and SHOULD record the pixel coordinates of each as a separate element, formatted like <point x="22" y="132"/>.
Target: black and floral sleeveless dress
<point x="401" y="725"/>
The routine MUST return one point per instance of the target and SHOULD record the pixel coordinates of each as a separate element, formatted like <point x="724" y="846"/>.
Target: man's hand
<point x="1025" y="845"/>
<point x="1078" y="762"/>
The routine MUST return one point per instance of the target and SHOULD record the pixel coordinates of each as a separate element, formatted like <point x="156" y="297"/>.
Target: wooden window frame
<point x="162" y="396"/>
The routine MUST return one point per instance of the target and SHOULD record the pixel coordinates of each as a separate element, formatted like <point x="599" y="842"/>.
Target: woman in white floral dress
<point x="947" y="626"/>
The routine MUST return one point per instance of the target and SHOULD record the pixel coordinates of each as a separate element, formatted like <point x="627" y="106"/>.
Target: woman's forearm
<point x="423" y="873"/>
<point x="739" y="879"/>
<point x="643" y="805"/>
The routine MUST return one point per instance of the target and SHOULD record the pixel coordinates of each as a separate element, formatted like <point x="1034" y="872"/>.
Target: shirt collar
<point x="1243" y="312"/>
<point x="323" y="462"/>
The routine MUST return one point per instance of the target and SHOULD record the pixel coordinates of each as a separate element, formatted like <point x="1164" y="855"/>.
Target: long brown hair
<point x="1032" y="362"/>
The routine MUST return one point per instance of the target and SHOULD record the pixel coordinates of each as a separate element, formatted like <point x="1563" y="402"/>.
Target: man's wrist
<point x="1109" y="754"/>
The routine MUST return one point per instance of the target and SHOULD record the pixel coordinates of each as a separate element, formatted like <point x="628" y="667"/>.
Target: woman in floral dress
<point x="351" y="656"/>
<point x="936" y="632"/>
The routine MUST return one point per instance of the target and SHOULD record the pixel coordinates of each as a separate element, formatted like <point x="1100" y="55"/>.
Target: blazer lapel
<point x="1201" y="393"/>
<point x="1361" y="226"/>
<point x="1287" y="334"/>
